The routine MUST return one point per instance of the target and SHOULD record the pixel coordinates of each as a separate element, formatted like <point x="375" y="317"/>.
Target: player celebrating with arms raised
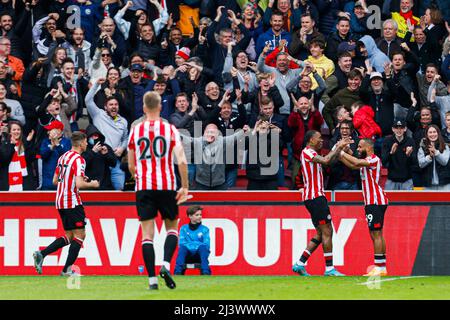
<point x="69" y="176"/>
<point x="315" y="201"/>
<point x="374" y="198"/>
<point x="151" y="147"/>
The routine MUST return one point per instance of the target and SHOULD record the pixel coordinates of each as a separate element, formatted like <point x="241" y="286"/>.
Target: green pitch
<point x="226" y="287"/>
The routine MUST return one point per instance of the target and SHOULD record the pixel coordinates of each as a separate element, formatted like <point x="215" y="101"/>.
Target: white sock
<point x="329" y="268"/>
<point x="300" y="263"/>
<point x="167" y="265"/>
<point x="152" y="280"/>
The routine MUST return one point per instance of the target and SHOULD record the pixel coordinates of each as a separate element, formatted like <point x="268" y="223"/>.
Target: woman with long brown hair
<point x="433" y="157"/>
<point x="17" y="160"/>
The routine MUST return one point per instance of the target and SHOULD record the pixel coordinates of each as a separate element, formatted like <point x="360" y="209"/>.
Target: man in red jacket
<point x="303" y="117"/>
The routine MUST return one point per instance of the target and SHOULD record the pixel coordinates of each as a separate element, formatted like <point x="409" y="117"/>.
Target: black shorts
<point x="375" y="216"/>
<point x="149" y="202"/>
<point x="319" y="210"/>
<point x="73" y="218"/>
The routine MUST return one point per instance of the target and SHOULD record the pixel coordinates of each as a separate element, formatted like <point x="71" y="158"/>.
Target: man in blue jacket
<point x="194" y="242"/>
<point x="274" y="35"/>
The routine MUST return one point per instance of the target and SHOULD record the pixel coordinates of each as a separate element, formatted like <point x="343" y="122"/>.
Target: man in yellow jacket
<point x="405" y="18"/>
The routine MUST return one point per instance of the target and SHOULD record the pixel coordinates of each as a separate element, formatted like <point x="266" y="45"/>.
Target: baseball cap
<point x="193" y="209"/>
<point x="54" y="125"/>
<point x="358" y="4"/>
<point x="345" y="46"/>
<point x="136" y="66"/>
<point x="376" y="75"/>
<point x="399" y="123"/>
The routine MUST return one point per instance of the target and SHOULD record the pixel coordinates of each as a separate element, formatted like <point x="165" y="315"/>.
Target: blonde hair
<point x="152" y="100"/>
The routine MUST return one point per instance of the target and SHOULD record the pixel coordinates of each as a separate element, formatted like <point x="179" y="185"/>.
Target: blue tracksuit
<point x="194" y="241"/>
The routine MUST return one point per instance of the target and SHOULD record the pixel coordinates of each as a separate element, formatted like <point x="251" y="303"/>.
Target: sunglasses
<point x="106" y="55"/>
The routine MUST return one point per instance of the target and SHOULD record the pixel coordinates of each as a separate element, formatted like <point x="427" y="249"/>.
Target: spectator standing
<point x="51" y="148"/>
<point x="18" y="160"/>
<point x="342" y="177"/>
<point x="433" y="156"/>
<point x="397" y="157"/>
<point x="99" y="158"/>
<point x="113" y="127"/>
<point x="304" y="117"/>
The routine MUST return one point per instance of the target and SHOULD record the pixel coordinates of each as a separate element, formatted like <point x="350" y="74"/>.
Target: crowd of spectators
<point x="273" y="68"/>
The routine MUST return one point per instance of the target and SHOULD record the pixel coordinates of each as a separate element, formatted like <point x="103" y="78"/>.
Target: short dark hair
<point x="5" y="13"/>
<point x="77" y="138"/>
<point x="345" y="54"/>
<point x="347" y="122"/>
<point x="306" y="14"/>
<point x="317" y="42"/>
<point x="354" y="73"/>
<point x="277" y="13"/>
<point x="396" y="53"/>
<point x="175" y="29"/>
<point x="108" y="99"/>
<point x="193" y="209"/>
<point x="67" y="60"/>
<point x="309" y="135"/>
<point x="181" y="94"/>
<point x="342" y="19"/>
<point x="431" y="65"/>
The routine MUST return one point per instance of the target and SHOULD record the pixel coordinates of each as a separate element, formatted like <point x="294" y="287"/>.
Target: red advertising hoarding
<point x="246" y="239"/>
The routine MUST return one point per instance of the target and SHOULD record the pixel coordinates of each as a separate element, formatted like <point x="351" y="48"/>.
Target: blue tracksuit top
<point x="192" y="239"/>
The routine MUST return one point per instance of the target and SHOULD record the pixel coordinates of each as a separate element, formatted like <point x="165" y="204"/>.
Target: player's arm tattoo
<point x="329" y="158"/>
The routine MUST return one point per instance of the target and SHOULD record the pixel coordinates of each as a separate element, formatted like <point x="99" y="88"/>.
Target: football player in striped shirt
<point x="315" y="201"/>
<point x="375" y="199"/>
<point x="153" y="146"/>
<point x="69" y="178"/>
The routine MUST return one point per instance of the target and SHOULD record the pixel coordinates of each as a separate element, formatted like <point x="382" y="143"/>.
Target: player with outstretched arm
<point x="375" y="199"/>
<point x="315" y="201"/>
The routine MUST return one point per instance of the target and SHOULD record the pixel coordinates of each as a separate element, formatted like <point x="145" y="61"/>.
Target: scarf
<point x="287" y="21"/>
<point x="408" y="16"/>
<point x="17" y="170"/>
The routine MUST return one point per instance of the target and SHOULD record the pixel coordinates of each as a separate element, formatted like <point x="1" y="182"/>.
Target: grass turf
<point x="224" y="287"/>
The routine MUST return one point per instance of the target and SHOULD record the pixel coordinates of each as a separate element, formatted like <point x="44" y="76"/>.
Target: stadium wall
<point x="252" y="233"/>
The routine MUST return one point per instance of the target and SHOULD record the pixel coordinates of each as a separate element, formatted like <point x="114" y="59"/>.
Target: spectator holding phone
<point x="99" y="158"/>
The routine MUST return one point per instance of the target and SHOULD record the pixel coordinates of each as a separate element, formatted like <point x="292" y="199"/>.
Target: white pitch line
<point x="390" y="279"/>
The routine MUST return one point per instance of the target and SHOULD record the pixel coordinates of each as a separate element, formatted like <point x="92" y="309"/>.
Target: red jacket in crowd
<point x="296" y="124"/>
<point x="363" y="121"/>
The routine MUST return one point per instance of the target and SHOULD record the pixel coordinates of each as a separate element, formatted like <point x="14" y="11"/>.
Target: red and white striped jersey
<point x="373" y="194"/>
<point x="70" y="165"/>
<point x="312" y="175"/>
<point x="152" y="143"/>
